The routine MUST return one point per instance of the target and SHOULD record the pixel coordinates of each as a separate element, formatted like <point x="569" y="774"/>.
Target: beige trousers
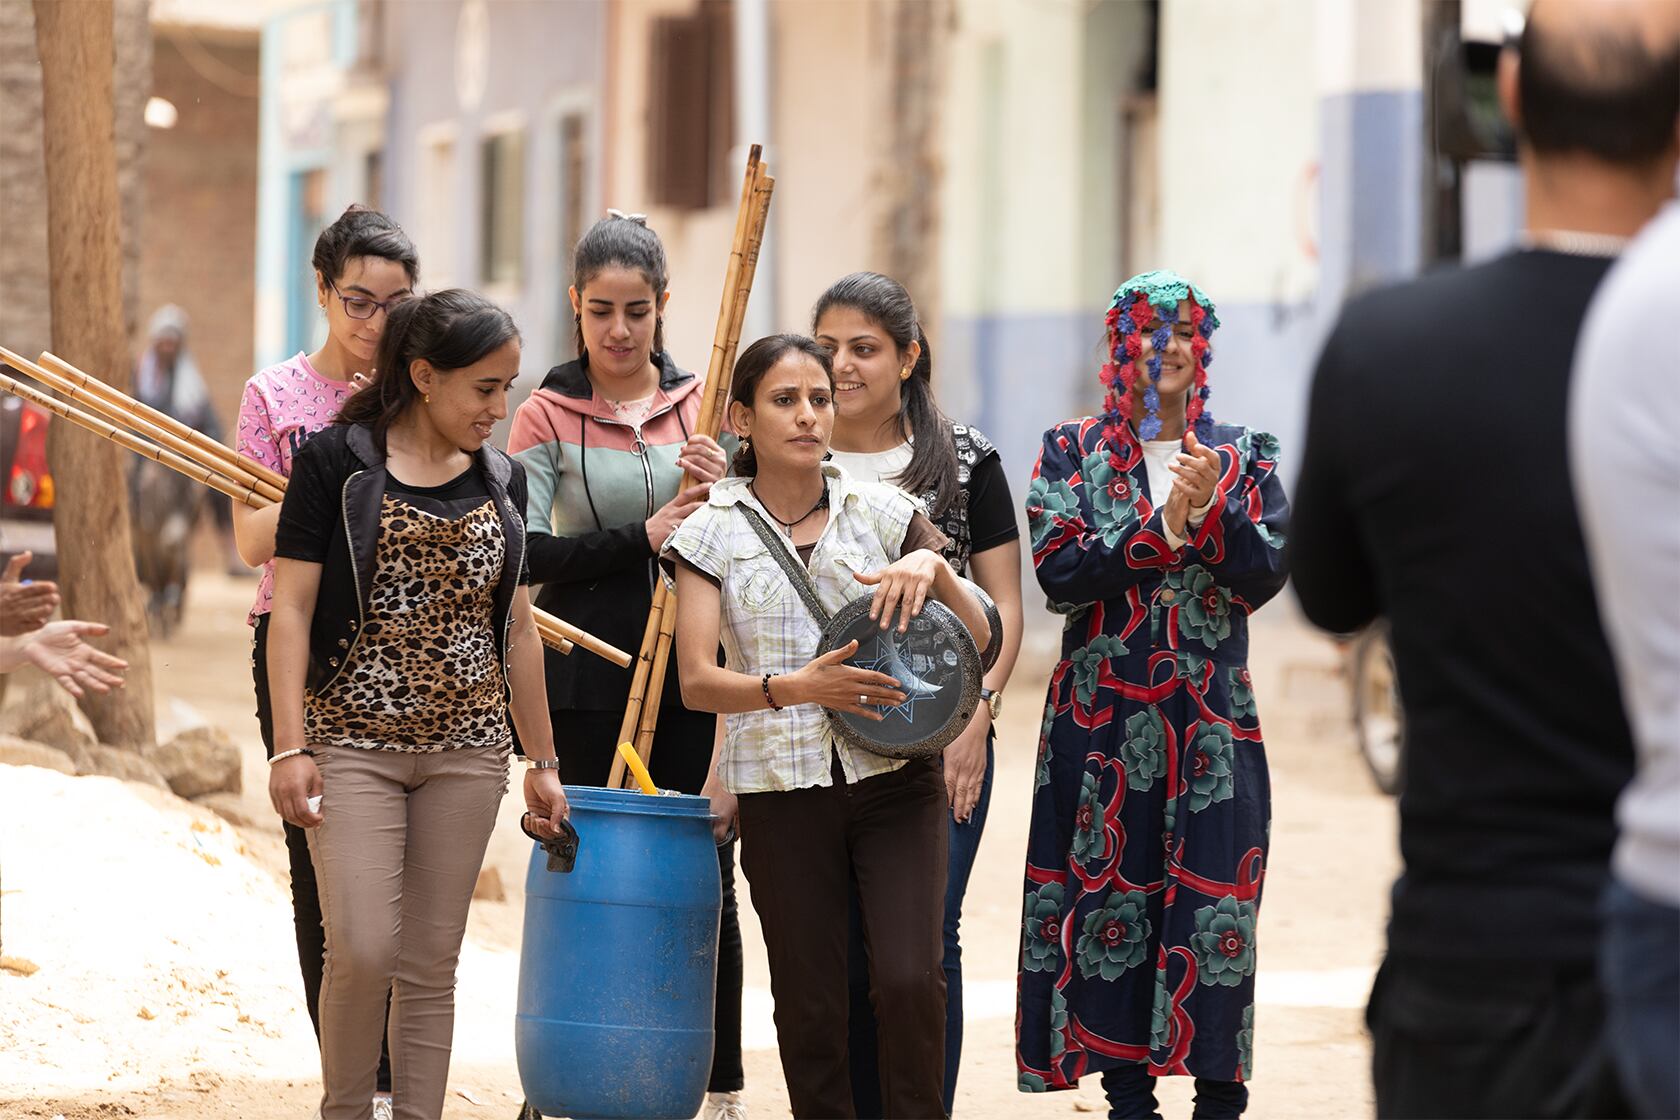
<point x="396" y="855"/>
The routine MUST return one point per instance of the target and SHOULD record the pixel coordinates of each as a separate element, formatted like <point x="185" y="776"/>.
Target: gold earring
<point x="428" y="398"/>
<point x="904" y="374"/>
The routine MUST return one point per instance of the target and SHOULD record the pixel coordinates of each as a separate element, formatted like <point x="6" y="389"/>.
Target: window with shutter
<point x="690" y="107"/>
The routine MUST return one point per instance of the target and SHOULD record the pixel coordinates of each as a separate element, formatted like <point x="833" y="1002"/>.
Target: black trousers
<point x="1487" y="1038"/>
<point x="802" y="850"/>
<point x="587" y="742"/>
<point x="306" y="898"/>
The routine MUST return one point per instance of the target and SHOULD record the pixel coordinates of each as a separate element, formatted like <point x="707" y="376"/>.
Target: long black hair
<point x="933" y="456"/>
<point x="750" y="368"/>
<point x="450" y="329"/>
<point x="363" y="232"/>
<point x="624" y="240"/>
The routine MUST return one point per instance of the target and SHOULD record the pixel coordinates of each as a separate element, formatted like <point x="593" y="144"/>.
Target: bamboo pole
<point x="647" y="686"/>
<point x="124" y="414"/>
<point x="134" y="443"/>
<point x="635" y="727"/>
<point x="207" y="461"/>
<point x="218" y="451"/>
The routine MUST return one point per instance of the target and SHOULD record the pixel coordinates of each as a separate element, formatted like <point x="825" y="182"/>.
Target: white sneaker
<point x="724" y="1106"/>
<point x="382" y="1108"/>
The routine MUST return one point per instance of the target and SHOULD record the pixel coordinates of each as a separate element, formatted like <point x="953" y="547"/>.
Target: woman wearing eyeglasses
<point x="364" y="265"/>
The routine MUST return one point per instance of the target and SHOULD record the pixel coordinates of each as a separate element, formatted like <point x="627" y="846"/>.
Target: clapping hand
<point x="57" y="649"/>
<point x="24" y="606"/>
<point x="1197" y="469"/>
<point x="1196" y="472"/>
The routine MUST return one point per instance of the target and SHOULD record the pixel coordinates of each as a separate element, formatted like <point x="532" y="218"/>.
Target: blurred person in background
<point x="1624" y="429"/>
<point x="164" y="504"/>
<point x="365" y="266"/>
<point x="1435" y="491"/>
<point x="888" y="428"/>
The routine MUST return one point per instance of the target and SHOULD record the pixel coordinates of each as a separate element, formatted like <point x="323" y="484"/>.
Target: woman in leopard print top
<point x="401" y="640"/>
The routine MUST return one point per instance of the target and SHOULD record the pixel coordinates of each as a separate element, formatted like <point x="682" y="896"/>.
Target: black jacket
<point x="342" y="460"/>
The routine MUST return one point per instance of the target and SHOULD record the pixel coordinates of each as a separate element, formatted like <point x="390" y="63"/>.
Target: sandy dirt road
<point x="167" y="979"/>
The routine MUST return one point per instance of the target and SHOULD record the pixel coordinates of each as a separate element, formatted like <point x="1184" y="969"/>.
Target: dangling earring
<point x="746" y="445"/>
<point x="428" y="397"/>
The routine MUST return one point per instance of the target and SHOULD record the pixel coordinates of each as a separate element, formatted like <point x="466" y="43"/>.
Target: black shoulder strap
<point x="796" y="572"/>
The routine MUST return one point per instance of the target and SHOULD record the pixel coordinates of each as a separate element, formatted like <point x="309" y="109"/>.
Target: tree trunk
<point x="85" y="252"/>
<point x="907" y="224"/>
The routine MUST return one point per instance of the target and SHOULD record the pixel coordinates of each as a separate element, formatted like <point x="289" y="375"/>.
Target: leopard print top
<point x="424" y="674"/>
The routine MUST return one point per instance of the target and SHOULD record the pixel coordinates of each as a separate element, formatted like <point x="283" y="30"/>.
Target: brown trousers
<point x="396" y="855"/>
<point x="801" y="849"/>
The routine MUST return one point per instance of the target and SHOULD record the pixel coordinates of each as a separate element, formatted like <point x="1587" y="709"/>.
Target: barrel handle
<point x="562" y="849"/>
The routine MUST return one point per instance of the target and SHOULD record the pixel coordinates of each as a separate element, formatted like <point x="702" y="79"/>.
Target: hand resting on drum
<point x="904" y="585"/>
<point x="828" y="681"/>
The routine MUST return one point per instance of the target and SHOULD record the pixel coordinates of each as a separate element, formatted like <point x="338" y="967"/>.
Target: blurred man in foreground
<point x="1624" y="429"/>
<point x="1435" y="490"/>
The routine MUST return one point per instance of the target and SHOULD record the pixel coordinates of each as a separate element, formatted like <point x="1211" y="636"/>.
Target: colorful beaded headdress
<point x="1153" y="295"/>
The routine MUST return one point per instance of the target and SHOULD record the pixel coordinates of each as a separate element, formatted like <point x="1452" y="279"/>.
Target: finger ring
<point x="862" y="698"/>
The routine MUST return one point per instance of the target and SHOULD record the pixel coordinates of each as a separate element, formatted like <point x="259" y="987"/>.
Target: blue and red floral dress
<point x="1152" y="806"/>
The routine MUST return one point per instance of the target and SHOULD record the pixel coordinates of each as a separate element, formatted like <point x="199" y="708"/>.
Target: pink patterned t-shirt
<point x="282" y="407"/>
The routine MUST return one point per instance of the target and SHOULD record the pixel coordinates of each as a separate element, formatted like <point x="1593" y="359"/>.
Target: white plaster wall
<point x="1013" y="193"/>
<point x="1239" y="141"/>
<point x="1367" y="44"/>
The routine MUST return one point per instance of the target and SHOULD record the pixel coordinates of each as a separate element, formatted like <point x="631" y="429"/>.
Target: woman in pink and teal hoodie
<point x="605" y="442"/>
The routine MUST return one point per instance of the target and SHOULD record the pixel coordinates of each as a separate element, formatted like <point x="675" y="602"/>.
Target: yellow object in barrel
<point x="637" y="769"/>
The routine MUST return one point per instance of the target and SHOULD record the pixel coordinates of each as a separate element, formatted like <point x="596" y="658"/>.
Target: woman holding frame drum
<point x="816" y="813"/>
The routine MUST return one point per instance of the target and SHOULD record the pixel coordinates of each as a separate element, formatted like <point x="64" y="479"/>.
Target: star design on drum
<point x="889" y="659"/>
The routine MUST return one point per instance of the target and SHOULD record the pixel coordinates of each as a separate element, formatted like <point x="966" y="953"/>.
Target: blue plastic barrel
<point x="618" y="972"/>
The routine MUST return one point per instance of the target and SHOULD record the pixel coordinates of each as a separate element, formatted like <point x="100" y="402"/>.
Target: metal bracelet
<point x="542" y="763"/>
<point x="292" y="754"/>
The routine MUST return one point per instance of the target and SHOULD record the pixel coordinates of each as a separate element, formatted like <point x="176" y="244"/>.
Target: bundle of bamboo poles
<point x="158" y="436"/>
<point x="641" y="713"/>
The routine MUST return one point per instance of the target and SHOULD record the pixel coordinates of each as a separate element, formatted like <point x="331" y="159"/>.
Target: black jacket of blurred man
<point x="1434" y="491"/>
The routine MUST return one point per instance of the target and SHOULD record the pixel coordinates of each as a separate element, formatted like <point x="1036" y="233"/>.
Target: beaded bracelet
<point x="768" y="699"/>
<point x="291" y="754"/>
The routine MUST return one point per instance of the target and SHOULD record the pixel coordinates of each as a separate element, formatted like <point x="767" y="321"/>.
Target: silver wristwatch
<point x="994" y="702"/>
<point x="542" y="763"/>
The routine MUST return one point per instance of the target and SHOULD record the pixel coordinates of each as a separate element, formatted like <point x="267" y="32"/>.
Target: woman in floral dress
<point x="1156" y="531"/>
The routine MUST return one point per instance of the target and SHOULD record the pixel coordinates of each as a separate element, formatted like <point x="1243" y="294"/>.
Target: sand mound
<point x="160" y="949"/>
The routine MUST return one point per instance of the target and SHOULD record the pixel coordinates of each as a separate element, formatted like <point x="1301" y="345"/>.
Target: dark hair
<point x="450" y="329"/>
<point x="933" y="458"/>
<point x="1605" y="92"/>
<point x="623" y="240"/>
<point x="750" y="368"/>
<point x="363" y="232"/>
